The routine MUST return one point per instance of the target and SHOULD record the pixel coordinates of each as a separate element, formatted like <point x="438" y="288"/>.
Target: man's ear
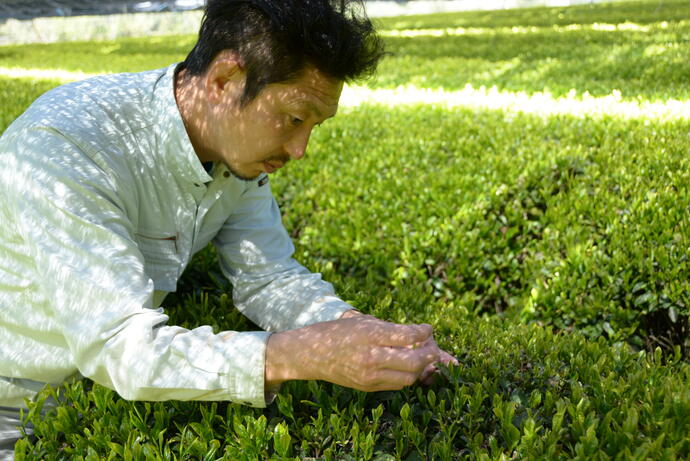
<point x="224" y="77"/>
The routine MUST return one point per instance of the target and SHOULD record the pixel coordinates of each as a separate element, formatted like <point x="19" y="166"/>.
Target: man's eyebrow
<point x="311" y="106"/>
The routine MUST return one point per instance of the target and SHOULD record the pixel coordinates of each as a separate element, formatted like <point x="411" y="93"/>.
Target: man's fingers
<point x="447" y="359"/>
<point x="401" y="335"/>
<point x="423" y="332"/>
<point x="406" y="359"/>
<point x="427" y="376"/>
<point x="388" y="380"/>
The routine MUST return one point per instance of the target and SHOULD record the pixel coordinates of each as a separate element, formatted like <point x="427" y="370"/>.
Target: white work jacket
<point x="103" y="203"/>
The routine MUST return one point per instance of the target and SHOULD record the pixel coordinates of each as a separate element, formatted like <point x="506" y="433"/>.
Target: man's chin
<point x="242" y="176"/>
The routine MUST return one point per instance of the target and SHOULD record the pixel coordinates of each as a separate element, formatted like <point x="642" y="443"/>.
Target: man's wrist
<point x="281" y="364"/>
<point x="285" y="357"/>
<point x="273" y="371"/>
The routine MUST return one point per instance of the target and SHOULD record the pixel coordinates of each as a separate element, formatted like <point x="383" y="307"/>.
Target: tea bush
<point x="521" y="392"/>
<point x="635" y="11"/>
<point x="123" y="55"/>
<point x="636" y="47"/>
<point x="549" y="252"/>
<point x="578" y="222"/>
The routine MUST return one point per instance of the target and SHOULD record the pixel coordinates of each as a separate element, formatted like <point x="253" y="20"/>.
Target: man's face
<point x="273" y="128"/>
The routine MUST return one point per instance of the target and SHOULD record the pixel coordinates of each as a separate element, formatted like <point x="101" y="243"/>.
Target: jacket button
<point x="226" y="174"/>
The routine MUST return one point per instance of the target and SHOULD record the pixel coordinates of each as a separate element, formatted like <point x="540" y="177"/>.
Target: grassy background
<point x="550" y="252"/>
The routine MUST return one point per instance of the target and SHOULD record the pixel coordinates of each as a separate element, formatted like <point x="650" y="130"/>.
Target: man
<point x="110" y="185"/>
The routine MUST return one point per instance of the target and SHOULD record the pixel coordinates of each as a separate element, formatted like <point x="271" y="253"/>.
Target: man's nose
<point x="296" y="146"/>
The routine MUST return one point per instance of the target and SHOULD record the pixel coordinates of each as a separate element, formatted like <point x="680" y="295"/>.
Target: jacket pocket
<point x="161" y="260"/>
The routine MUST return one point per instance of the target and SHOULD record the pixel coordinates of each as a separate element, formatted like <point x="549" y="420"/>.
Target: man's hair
<point x="277" y="39"/>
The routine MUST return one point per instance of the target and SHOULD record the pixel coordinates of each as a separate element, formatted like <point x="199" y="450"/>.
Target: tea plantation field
<point x="536" y="214"/>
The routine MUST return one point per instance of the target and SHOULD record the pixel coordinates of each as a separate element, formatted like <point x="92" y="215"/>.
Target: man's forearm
<point x="280" y="356"/>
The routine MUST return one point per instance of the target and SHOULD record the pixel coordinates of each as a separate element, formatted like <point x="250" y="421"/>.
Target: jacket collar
<point x="172" y="139"/>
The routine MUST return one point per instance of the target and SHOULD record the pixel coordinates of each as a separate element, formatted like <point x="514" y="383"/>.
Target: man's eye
<point x="296" y="121"/>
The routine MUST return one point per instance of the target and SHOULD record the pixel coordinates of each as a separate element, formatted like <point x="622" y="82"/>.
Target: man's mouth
<point x="273" y="164"/>
<point x="270" y="167"/>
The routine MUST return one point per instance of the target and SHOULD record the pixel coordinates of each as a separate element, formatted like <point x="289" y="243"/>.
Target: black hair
<point x="277" y="39"/>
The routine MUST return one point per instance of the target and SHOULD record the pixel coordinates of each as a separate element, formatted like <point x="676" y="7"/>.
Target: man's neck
<point x="189" y="104"/>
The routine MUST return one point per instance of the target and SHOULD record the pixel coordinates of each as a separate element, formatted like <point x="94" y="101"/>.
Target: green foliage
<point x="648" y="63"/>
<point x="550" y="253"/>
<point x="531" y="50"/>
<point x="636" y="11"/>
<point x="566" y="220"/>
<point x="521" y="392"/>
<point x="123" y="55"/>
<point x="637" y="48"/>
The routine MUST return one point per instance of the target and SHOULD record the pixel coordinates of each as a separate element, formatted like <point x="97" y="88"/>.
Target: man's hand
<point x="431" y="371"/>
<point x="357" y="351"/>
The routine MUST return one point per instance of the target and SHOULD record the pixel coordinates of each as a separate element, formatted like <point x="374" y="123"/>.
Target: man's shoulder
<point x="96" y="117"/>
<point x="107" y="104"/>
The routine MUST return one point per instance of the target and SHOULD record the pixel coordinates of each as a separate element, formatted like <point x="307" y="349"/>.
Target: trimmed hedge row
<point x="535" y="49"/>
<point x="521" y="392"/>
<point x="575" y="222"/>
<point x="615" y="12"/>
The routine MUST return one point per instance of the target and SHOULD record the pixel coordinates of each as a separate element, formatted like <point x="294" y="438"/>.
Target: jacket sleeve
<point x="71" y="214"/>
<point x="269" y="286"/>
